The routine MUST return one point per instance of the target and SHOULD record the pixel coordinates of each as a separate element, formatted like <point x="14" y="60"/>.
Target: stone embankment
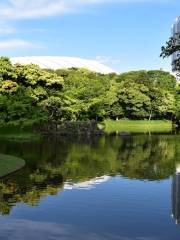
<point x="71" y="128"/>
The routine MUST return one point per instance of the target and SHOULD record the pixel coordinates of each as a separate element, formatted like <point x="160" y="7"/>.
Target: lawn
<point x="9" y="164"/>
<point x="137" y="126"/>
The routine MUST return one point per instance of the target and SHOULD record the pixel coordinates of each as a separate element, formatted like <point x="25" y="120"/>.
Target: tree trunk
<point x="150" y="116"/>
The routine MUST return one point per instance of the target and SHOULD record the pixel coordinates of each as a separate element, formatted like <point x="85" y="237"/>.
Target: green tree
<point x="171" y="47"/>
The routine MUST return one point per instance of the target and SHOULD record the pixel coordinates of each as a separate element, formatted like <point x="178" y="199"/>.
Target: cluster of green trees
<point x="31" y="95"/>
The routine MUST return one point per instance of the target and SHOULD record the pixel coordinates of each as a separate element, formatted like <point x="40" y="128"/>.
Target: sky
<point x="122" y="34"/>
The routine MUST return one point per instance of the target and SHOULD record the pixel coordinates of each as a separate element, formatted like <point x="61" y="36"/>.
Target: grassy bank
<point x="137" y="126"/>
<point x="109" y="126"/>
<point x="9" y="164"/>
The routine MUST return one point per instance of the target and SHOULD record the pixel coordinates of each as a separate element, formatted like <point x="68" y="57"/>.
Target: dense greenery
<point x="22" y="91"/>
<point x="30" y="95"/>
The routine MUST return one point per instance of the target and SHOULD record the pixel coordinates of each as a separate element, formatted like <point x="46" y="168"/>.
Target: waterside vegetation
<point x="30" y="96"/>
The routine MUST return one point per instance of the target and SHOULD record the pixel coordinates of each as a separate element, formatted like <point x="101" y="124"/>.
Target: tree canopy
<point x="30" y="95"/>
<point x="172" y="47"/>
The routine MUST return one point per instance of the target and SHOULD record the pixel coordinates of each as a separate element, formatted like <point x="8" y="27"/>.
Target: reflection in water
<point x="87" y="184"/>
<point x="176" y="196"/>
<point x="28" y="230"/>
<point x="57" y="164"/>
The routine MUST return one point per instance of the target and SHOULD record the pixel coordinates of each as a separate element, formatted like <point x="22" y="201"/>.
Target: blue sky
<point x="123" y="34"/>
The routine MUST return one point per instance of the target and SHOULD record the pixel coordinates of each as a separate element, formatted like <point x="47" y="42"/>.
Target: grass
<point x="13" y="133"/>
<point x="10" y="164"/>
<point x="137" y="126"/>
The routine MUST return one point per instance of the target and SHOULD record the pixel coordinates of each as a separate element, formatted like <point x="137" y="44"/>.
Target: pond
<point x="101" y="188"/>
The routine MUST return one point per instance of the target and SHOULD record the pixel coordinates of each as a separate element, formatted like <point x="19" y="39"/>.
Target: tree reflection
<point x="150" y="158"/>
<point x="53" y="161"/>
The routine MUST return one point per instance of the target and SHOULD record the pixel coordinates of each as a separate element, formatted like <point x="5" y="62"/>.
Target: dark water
<point x="115" y="188"/>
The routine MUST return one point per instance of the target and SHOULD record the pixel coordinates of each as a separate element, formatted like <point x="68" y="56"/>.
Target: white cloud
<point x="7" y="30"/>
<point x="87" y="185"/>
<point x="22" y="9"/>
<point x="11" y="10"/>
<point x="18" y="9"/>
<point x="15" y="43"/>
<point x="107" y="60"/>
<point x="20" y="229"/>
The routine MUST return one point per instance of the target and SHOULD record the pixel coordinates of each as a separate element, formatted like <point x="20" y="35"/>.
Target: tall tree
<point x="172" y="47"/>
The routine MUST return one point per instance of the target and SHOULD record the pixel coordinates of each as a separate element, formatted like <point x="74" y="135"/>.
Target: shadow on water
<point x="51" y="163"/>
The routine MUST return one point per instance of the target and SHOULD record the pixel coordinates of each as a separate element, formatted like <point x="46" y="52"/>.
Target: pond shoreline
<point x="10" y="164"/>
<point x="95" y="128"/>
<point x="88" y="128"/>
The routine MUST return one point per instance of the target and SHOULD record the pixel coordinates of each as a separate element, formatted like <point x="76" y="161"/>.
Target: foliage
<point x="30" y="95"/>
<point x="22" y="89"/>
<point x="133" y="95"/>
<point x="173" y="47"/>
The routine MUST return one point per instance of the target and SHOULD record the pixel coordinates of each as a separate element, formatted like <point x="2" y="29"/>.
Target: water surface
<point x="110" y="187"/>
